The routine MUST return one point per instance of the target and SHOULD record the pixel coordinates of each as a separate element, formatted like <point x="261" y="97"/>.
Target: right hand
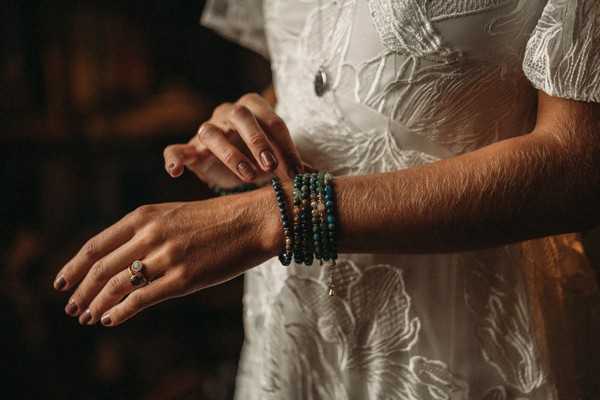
<point x="242" y="142"/>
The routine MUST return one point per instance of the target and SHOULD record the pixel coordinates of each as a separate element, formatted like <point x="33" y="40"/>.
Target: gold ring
<point x="136" y="273"/>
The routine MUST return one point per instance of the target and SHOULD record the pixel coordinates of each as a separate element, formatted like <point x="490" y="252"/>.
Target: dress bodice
<point x="450" y="72"/>
<point x="412" y="81"/>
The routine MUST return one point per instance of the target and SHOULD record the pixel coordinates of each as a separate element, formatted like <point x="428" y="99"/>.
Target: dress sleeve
<point x="563" y="52"/>
<point x="241" y="21"/>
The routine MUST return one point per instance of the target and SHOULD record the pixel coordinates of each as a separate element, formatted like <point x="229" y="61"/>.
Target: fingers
<point x="99" y="274"/>
<point x="119" y="286"/>
<point x="95" y="248"/>
<point x="164" y="288"/>
<point x="275" y="128"/>
<point x="255" y="138"/>
<point x="177" y="156"/>
<point x="246" y="137"/>
<point x="216" y="142"/>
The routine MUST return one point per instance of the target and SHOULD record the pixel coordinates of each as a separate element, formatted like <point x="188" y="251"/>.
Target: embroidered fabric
<point x="563" y="54"/>
<point x="412" y="82"/>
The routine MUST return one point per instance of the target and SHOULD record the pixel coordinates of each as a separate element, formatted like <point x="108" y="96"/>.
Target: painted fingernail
<point x="268" y="159"/>
<point x="85" y="317"/>
<point x="60" y="283"/>
<point x="246" y="170"/>
<point x="172" y="169"/>
<point x="105" y="320"/>
<point x="72" y="308"/>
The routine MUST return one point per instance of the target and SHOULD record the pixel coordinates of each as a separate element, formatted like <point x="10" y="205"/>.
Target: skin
<point x="542" y="183"/>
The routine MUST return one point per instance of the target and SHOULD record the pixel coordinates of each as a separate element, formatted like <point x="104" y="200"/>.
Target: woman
<point x="464" y="140"/>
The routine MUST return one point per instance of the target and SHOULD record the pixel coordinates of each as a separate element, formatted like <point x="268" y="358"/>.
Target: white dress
<point x="413" y="81"/>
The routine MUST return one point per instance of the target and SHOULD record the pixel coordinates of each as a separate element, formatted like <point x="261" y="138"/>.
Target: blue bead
<point x="330" y="219"/>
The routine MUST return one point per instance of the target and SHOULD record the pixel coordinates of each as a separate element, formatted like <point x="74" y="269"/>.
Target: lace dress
<point x="413" y="81"/>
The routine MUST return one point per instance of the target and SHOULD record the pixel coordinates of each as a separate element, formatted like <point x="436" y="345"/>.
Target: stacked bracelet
<point x="312" y="232"/>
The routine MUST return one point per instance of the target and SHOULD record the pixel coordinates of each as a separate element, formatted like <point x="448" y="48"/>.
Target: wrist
<point x="269" y="238"/>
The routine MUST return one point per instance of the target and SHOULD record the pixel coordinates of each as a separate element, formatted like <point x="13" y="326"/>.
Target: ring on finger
<point x="136" y="274"/>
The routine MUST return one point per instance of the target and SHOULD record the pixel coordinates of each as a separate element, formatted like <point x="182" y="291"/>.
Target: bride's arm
<point x="546" y="182"/>
<point x="539" y="184"/>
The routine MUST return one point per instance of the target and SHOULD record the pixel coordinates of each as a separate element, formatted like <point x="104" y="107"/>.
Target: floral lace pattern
<point x="562" y="56"/>
<point x="407" y="78"/>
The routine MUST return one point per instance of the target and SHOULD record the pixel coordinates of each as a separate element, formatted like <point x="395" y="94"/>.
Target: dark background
<point x="91" y="92"/>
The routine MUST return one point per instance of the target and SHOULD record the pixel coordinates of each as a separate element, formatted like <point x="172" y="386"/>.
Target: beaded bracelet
<point x="330" y="215"/>
<point x="316" y="218"/>
<point x="312" y="234"/>
<point x="297" y="227"/>
<point x="285" y="257"/>
<point x="307" y="221"/>
<point x="321" y="229"/>
<point x="244" y="187"/>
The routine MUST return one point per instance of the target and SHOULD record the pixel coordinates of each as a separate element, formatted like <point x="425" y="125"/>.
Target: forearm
<point x="510" y="191"/>
<point x="513" y="190"/>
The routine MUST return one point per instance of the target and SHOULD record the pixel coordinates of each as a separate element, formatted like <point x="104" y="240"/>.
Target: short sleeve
<point x="563" y="53"/>
<point x="241" y="21"/>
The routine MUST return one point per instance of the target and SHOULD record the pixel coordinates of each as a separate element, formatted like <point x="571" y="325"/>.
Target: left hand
<point x="184" y="247"/>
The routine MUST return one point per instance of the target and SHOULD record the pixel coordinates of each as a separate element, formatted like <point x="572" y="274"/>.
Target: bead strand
<point x="297" y="227"/>
<point x="315" y="215"/>
<point x="306" y="221"/>
<point x="323" y="231"/>
<point x="285" y="256"/>
<point x="331" y="221"/>
<point x="244" y="187"/>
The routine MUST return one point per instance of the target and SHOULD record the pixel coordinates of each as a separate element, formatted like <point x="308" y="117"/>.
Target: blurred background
<point x="91" y="92"/>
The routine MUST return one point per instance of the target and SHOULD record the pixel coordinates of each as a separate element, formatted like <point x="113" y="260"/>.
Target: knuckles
<point x="240" y="111"/>
<point x="230" y="157"/>
<point x="90" y="249"/>
<point x="115" y="286"/>
<point x="250" y="97"/>
<point x="183" y="280"/>
<point x="151" y="235"/>
<point x="145" y="211"/>
<point x="136" y="300"/>
<point x="98" y="271"/>
<point x="221" y="109"/>
<point x="172" y="254"/>
<point x="207" y="131"/>
<point x="275" y="125"/>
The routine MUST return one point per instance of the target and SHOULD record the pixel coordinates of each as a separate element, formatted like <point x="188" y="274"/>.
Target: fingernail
<point x="268" y="159"/>
<point x="105" y="320"/>
<point x="60" y="283"/>
<point x="171" y="169"/>
<point x="85" y="317"/>
<point x="246" y="170"/>
<point x="71" y="308"/>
